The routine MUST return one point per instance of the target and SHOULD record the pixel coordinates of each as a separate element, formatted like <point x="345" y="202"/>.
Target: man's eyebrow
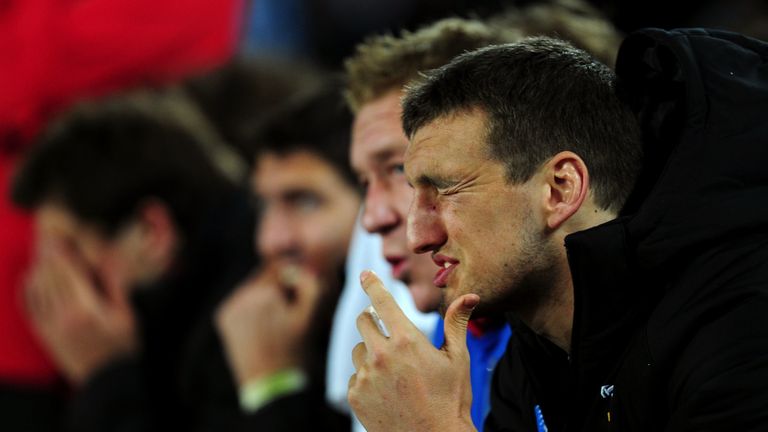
<point x="384" y="154"/>
<point x="434" y="181"/>
<point x="297" y="192"/>
<point x="381" y="156"/>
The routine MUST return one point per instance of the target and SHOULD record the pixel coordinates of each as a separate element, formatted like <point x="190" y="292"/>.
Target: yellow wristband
<point x="255" y="394"/>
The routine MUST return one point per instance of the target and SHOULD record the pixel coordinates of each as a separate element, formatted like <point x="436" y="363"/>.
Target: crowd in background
<point x="181" y="226"/>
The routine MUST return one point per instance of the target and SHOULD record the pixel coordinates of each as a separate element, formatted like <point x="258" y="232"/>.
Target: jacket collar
<point x="611" y="302"/>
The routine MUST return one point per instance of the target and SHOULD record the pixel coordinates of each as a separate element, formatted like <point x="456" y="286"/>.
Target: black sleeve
<point x="302" y="411"/>
<point x="26" y="408"/>
<point x="111" y="401"/>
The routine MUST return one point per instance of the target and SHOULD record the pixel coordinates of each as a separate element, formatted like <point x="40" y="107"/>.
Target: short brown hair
<point x="383" y="62"/>
<point x="387" y="61"/>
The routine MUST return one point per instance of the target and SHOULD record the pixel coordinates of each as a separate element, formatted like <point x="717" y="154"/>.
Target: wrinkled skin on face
<point x="480" y="228"/>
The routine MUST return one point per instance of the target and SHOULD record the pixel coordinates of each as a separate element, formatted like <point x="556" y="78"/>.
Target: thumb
<point x="456" y="321"/>
<point x="309" y="290"/>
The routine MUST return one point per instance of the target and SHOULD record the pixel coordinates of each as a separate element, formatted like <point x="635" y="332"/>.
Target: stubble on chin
<point x="442" y="308"/>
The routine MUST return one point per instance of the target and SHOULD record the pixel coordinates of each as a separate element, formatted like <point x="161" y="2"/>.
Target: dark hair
<point x="240" y="96"/>
<point x="541" y="96"/>
<point x="102" y="160"/>
<point x="319" y="124"/>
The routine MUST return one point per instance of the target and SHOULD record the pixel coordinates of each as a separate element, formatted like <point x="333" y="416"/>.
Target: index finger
<point x="386" y="306"/>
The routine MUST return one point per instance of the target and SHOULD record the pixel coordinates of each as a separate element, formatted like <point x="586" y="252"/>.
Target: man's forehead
<point x="301" y="170"/>
<point x="55" y="219"/>
<point x="420" y="146"/>
<point x="273" y="164"/>
<point x="54" y="214"/>
<point x="388" y="103"/>
<point x="451" y="140"/>
<point x="431" y="141"/>
<point x="377" y="131"/>
<point x="421" y="158"/>
<point x="376" y="154"/>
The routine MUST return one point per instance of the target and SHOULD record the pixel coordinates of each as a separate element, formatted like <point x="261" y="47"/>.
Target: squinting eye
<point x="397" y="169"/>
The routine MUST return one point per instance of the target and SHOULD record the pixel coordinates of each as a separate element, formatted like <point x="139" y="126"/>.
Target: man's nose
<point x="426" y="230"/>
<point x="276" y="235"/>
<point x="380" y="214"/>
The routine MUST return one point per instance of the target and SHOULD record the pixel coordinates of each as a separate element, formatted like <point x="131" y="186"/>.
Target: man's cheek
<point x="331" y="247"/>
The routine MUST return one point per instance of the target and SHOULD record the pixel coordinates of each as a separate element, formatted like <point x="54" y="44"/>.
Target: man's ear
<point x="158" y="232"/>
<point x="567" y="182"/>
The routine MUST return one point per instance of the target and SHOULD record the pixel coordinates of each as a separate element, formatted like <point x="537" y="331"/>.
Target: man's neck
<point x="553" y="318"/>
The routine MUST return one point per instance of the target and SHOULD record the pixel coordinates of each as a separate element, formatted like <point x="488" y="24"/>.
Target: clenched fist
<point x="264" y="323"/>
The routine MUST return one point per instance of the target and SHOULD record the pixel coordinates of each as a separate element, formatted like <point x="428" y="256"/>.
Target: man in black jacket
<point x="650" y="322"/>
<point x="667" y="332"/>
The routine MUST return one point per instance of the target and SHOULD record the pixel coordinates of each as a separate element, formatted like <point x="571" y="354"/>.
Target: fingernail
<point x="471" y="301"/>
<point x="364" y="275"/>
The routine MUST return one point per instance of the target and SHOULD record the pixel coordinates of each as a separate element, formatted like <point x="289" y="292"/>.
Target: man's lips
<point x="446" y="264"/>
<point x="399" y="266"/>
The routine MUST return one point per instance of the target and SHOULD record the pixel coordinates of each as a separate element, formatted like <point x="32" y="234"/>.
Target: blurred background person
<point x="56" y="53"/>
<point x="239" y="99"/>
<point x="276" y="326"/>
<point x="244" y="98"/>
<point x="138" y="236"/>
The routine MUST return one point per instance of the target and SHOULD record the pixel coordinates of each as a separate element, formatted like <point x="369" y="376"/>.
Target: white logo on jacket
<point x="606" y="391"/>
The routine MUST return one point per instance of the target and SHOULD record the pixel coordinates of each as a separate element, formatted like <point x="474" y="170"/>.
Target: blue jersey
<point x="484" y="352"/>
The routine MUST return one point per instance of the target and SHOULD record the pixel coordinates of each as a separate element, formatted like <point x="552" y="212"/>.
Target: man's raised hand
<point x="402" y="382"/>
